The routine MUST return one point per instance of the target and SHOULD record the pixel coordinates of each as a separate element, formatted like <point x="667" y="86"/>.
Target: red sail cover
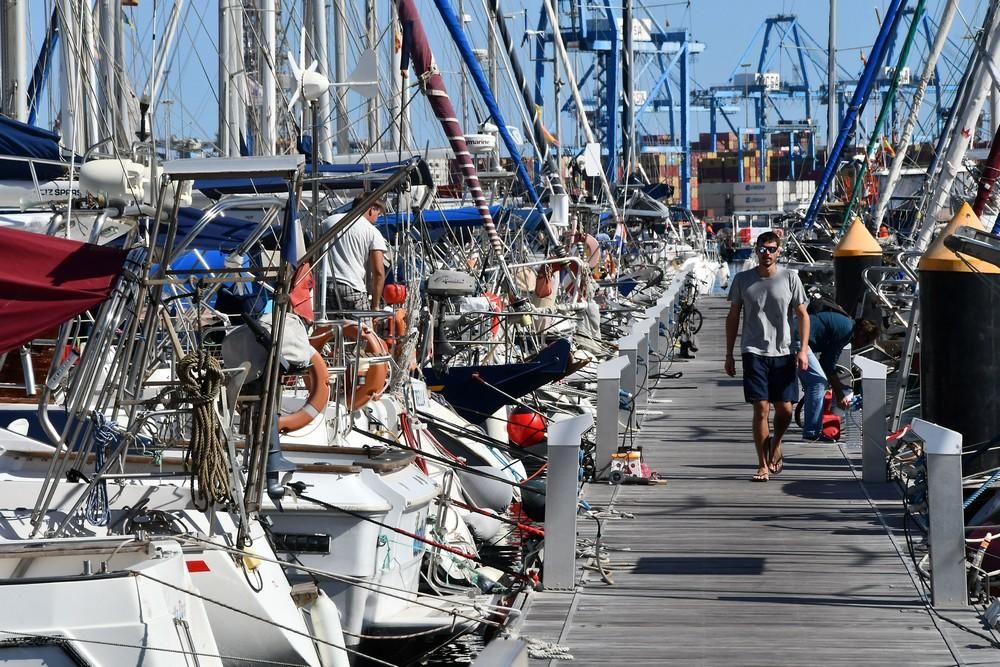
<point x="45" y="281"/>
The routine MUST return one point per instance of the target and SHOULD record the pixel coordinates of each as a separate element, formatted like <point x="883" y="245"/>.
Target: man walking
<point x="768" y="298"/>
<point x="829" y="333"/>
<point x="356" y="261"/>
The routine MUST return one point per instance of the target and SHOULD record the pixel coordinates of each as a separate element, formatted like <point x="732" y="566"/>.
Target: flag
<point x="300" y="294"/>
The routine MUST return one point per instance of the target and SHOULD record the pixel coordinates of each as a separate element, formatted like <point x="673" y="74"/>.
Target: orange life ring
<point x="371" y="382"/>
<point x="318" y="382"/>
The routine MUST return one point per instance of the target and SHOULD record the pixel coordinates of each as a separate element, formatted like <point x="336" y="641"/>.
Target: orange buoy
<point x="318" y="382"/>
<point x="371" y="380"/>
<point x="857" y="251"/>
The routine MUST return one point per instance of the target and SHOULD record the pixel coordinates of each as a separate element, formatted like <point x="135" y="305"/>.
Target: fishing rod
<point x="298" y="489"/>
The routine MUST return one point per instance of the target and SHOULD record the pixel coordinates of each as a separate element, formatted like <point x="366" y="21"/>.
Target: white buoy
<point x="327" y="627"/>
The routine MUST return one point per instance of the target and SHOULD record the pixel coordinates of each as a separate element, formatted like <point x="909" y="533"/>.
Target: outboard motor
<point x="445" y="292"/>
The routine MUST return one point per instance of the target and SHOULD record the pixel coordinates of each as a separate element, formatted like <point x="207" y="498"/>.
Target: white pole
<point x="225" y="130"/>
<point x="19" y="58"/>
<point x="581" y="113"/>
<point x="371" y="19"/>
<point x="322" y="55"/>
<point x="340" y="65"/>
<point x="269" y="91"/>
<point x="982" y="82"/>
<point x="832" y="121"/>
<point x="911" y="120"/>
<point x="237" y="69"/>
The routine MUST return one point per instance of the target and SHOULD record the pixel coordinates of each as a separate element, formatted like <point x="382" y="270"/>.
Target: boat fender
<point x="318" y="382"/>
<point x="328" y="629"/>
<point x="250" y="560"/>
<point x="483" y="528"/>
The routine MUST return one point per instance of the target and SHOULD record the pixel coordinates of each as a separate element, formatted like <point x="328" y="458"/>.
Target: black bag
<point x="822" y="304"/>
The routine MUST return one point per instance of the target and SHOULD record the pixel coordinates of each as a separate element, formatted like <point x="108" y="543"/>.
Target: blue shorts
<point x="769" y="378"/>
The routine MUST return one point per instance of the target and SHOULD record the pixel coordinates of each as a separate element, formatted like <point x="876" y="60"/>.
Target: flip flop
<point x="777" y="466"/>
<point x="767" y="450"/>
<point x="759" y="477"/>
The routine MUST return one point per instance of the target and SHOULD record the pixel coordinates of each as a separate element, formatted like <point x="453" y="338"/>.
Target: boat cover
<point x="27" y="141"/>
<point x="45" y="281"/>
<point x="334" y="177"/>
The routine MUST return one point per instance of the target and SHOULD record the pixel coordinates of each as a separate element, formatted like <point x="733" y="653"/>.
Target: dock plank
<point x="807" y="569"/>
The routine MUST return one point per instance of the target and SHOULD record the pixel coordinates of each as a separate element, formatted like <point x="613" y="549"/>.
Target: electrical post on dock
<point x="561" y="488"/>
<point x="946" y="532"/>
<point x="873" y="425"/>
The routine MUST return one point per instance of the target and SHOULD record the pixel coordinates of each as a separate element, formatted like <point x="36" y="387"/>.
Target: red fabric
<point x="45" y="281"/>
<point x="301" y="295"/>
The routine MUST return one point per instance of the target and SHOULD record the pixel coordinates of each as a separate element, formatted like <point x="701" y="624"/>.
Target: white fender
<point x="326" y="626"/>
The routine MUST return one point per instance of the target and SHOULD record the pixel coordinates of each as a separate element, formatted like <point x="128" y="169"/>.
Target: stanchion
<point x="873" y="426"/>
<point x="609" y="383"/>
<point x="561" y="483"/>
<point x="946" y="533"/>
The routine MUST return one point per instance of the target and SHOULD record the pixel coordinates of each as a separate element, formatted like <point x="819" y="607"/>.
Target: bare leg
<point x="782" y="418"/>
<point x="761" y="411"/>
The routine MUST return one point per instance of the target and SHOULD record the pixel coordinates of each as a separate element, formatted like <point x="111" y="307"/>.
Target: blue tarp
<point x="22" y="140"/>
<point x="222" y="233"/>
<point x="340" y="177"/>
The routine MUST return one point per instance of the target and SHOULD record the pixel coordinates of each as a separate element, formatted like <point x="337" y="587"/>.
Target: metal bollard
<point x="640" y="330"/>
<point x="873" y="426"/>
<point x="946" y="537"/>
<point x="627" y="346"/>
<point x="609" y="382"/>
<point x="561" y="484"/>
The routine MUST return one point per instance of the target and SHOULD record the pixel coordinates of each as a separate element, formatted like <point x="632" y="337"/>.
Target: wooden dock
<point x="810" y="568"/>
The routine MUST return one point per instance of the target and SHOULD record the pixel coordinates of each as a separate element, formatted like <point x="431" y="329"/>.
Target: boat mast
<point x="911" y="119"/>
<point x="888" y="103"/>
<point x="963" y="130"/>
<point x="69" y="87"/>
<point x="267" y="18"/>
<point x="14" y="60"/>
<point x="107" y="89"/>
<point x="532" y="107"/>
<point x="225" y="146"/>
<point x="854" y="110"/>
<point x="319" y="23"/>
<point x="578" y="99"/>
<point x="340" y="71"/>
<point x="832" y="121"/>
<point x="371" y="19"/>
<point x="397" y="86"/>
<point x="628" y="87"/>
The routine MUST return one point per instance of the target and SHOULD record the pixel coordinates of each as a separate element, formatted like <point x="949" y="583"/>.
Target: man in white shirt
<point x="356" y="261"/>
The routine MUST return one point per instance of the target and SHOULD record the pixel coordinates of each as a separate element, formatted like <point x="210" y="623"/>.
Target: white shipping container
<point x="765" y="188"/>
<point x="758" y="202"/>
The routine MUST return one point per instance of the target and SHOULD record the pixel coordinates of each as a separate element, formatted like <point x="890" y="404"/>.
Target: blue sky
<point x="726" y="27"/>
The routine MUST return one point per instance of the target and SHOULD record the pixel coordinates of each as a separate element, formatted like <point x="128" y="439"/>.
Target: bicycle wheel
<point x="798" y="413"/>
<point x="695" y="320"/>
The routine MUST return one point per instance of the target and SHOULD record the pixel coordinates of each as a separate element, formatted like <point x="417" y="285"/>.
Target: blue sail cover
<point x="27" y="141"/>
<point x="335" y="177"/>
<point x="224" y="233"/>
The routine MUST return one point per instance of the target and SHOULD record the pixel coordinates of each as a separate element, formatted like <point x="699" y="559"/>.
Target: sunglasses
<point x="766" y="250"/>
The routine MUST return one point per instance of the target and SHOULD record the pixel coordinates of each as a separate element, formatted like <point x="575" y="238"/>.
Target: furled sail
<point x="416" y="49"/>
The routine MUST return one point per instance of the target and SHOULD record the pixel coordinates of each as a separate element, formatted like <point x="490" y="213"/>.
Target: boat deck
<point x="810" y="568"/>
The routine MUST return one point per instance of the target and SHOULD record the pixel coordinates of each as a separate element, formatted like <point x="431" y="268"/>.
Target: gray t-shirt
<point x="348" y="255"/>
<point x="767" y="310"/>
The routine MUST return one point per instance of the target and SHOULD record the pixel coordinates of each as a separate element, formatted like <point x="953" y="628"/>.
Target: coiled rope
<point x="201" y="376"/>
<point x="106" y="434"/>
